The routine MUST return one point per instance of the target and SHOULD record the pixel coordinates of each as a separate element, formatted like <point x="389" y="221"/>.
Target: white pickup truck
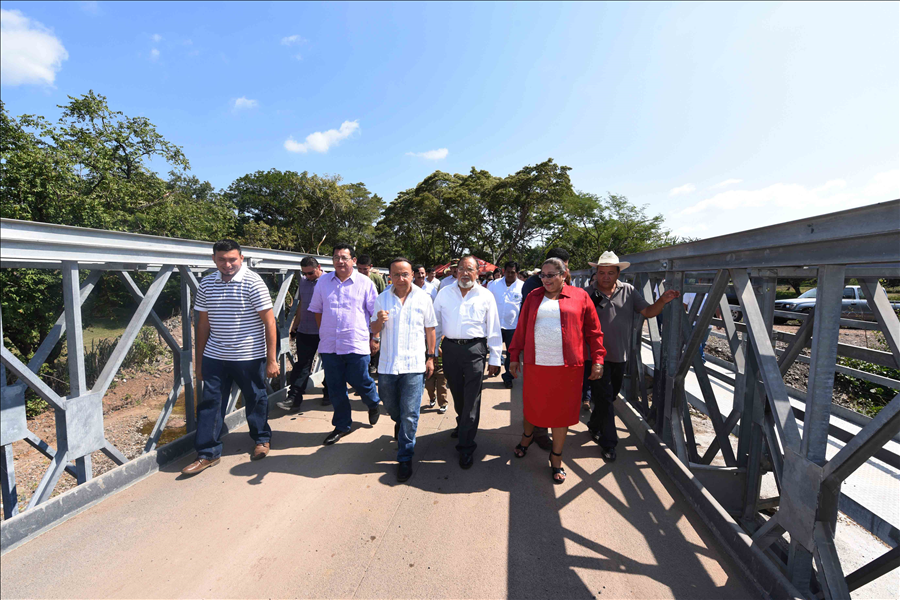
<point x="854" y="304"/>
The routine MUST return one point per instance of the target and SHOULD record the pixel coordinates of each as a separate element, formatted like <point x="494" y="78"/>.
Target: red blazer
<point x="580" y="327"/>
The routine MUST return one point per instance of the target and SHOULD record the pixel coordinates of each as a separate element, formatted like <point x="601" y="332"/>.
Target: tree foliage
<point x="92" y="168"/>
<point x="518" y="217"/>
<point x="298" y="211"/>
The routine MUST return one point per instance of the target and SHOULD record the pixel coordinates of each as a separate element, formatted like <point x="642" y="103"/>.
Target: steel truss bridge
<point x="785" y="542"/>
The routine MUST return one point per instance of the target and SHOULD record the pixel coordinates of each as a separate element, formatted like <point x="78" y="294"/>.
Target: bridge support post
<point x="8" y="488"/>
<point x="671" y="427"/>
<point x="826" y="328"/>
<point x="74" y="358"/>
<point x="188" y="285"/>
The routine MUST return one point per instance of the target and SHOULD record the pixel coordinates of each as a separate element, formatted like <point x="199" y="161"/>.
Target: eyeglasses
<point x="406" y="275"/>
<point x="308" y="273"/>
<point x="342" y="259"/>
<point x="548" y="275"/>
<point x="469" y="270"/>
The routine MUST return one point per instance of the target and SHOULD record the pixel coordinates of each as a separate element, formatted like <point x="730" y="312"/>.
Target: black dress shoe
<point x="326" y="401"/>
<point x="373" y="415"/>
<point x="508" y="384"/>
<point x="334" y="436"/>
<point x="397" y="431"/>
<point x="608" y="454"/>
<point x="595" y="435"/>
<point x="466" y="460"/>
<point x="404" y="471"/>
<point x="454" y="434"/>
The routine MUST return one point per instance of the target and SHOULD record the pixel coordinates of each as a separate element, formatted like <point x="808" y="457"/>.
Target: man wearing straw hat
<point x="616" y="303"/>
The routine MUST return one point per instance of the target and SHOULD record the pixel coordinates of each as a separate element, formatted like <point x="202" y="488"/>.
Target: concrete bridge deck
<point x="315" y="521"/>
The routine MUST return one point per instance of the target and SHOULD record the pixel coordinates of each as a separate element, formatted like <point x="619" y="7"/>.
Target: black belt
<point x="465" y="342"/>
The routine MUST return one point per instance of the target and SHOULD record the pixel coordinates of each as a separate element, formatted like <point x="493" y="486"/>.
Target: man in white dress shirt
<point x="451" y="279"/>
<point x="468" y="322"/>
<point x="420" y="278"/>
<point x="507" y="292"/>
<point x="403" y="321"/>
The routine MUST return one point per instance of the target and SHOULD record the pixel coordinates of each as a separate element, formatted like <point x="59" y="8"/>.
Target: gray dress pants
<point x="464" y="370"/>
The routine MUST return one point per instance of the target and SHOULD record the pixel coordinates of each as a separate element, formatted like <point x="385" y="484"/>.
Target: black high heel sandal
<point x="521" y="448"/>
<point x="557" y="470"/>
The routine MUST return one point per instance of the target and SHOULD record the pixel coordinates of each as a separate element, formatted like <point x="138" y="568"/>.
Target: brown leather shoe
<point x="261" y="451"/>
<point x="201" y="464"/>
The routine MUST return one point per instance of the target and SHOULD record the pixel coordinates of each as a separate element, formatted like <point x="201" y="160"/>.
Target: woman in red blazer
<point x="558" y="331"/>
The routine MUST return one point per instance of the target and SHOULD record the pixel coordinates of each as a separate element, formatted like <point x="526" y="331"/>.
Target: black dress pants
<point x="464" y="370"/>
<point x="307" y="345"/>
<point x="604" y="392"/>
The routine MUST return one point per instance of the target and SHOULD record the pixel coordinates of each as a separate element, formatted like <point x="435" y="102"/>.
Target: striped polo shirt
<point x="235" y="330"/>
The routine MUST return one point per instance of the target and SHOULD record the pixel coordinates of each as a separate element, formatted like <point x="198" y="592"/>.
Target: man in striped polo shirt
<point x="404" y="325"/>
<point x="235" y="344"/>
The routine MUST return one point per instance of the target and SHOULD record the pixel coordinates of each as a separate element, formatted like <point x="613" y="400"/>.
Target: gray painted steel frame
<point x="862" y="243"/>
<point x="79" y="416"/>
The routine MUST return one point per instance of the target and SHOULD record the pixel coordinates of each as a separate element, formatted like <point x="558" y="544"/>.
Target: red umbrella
<point x="483" y="267"/>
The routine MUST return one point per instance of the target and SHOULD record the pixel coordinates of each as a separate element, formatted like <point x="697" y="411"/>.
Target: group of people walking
<point x="427" y="335"/>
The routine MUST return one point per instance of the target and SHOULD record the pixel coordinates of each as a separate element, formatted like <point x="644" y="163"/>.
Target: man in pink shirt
<point x="343" y="303"/>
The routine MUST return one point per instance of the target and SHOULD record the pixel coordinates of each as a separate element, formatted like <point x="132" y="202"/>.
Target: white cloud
<point x="244" y="102"/>
<point x="321" y="141"/>
<point x="154" y="54"/>
<point x="298" y="56"/>
<point x="725" y="183"/>
<point x="156" y="38"/>
<point x="682" y="189"/>
<point x="291" y="40"/>
<point x="431" y="154"/>
<point x="29" y="52"/>
<point x="739" y="210"/>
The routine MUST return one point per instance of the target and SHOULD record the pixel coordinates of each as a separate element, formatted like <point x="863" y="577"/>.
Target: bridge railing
<point x="79" y="418"/>
<point x="862" y="243"/>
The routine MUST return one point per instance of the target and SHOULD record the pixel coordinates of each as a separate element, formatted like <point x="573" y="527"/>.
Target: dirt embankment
<point x="130" y="409"/>
<point x="798" y="375"/>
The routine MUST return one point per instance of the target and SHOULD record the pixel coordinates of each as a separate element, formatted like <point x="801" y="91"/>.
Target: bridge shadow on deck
<point x="607" y="521"/>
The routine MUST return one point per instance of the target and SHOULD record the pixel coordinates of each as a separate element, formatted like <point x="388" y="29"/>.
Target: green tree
<point x="91" y="168"/>
<point x="595" y="224"/>
<point x="527" y="208"/>
<point x="301" y="212"/>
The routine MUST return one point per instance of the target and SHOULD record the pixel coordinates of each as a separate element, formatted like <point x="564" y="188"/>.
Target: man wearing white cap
<point x="616" y="303"/>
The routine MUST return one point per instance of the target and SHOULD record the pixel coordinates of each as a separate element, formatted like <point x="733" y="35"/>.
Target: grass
<point x="106" y="328"/>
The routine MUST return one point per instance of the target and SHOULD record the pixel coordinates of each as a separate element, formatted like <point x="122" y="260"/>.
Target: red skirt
<point x="552" y="395"/>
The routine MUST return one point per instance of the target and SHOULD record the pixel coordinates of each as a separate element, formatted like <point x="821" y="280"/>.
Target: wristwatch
<point x="376" y="338"/>
<point x="427" y="356"/>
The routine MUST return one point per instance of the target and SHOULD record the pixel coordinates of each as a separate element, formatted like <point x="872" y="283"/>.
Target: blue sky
<point x="722" y="117"/>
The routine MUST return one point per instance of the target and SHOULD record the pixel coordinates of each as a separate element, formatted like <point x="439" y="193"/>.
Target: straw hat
<point x="609" y="259"/>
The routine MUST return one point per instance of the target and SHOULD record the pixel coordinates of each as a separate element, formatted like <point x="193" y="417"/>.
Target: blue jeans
<point x="402" y="397"/>
<point x="703" y="343"/>
<point x="218" y="375"/>
<point x="341" y="369"/>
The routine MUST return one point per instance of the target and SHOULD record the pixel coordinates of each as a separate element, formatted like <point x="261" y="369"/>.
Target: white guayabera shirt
<point x="403" y="336"/>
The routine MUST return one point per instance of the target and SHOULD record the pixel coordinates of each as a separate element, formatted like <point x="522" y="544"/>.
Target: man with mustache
<point x="468" y="321"/>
